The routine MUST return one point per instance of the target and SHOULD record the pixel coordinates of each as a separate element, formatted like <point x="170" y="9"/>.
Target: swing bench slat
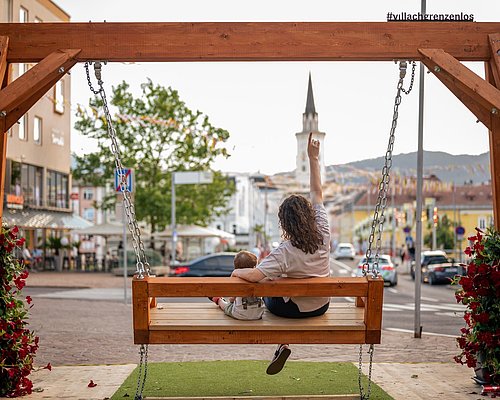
<point x="196" y="323"/>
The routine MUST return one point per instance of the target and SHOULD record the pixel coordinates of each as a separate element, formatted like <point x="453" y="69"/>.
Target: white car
<point x="385" y="267"/>
<point x="344" y="250"/>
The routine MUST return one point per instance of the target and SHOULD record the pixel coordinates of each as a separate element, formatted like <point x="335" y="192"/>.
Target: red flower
<point x="20" y="242"/>
<point x="468" y="251"/>
<point x="482" y="318"/>
<point x="91" y="384"/>
<point x="29" y="299"/>
<point x="48" y="366"/>
<point x="24" y="274"/>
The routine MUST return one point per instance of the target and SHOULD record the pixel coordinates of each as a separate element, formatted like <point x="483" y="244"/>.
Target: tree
<point x="444" y="234"/>
<point x="157" y="135"/>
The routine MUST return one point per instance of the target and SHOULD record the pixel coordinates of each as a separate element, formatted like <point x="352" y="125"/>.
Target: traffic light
<point x="435" y="218"/>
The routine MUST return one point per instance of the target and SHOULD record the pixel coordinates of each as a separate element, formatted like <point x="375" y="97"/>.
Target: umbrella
<point x="107" y="229"/>
<point x="194" y="231"/>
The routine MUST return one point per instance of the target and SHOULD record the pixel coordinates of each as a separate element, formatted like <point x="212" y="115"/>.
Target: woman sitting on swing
<point x="304" y="253"/>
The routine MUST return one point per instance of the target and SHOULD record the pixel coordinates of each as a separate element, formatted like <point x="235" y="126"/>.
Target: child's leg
<point x="223" y="303"/>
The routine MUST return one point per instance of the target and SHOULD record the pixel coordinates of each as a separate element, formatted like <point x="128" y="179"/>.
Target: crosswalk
<point x="443" y="309"/>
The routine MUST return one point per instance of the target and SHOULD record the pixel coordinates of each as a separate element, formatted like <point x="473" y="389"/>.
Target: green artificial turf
<point x="246" y="378"/>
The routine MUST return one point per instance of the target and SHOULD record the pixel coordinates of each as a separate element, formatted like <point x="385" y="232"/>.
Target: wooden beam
<point x="479" y="96"/>
<point x="205" y="287"/>
<point x="4" y="79"/>
<point x="494" y="136"/>
<point x="495" y="59"/>
<point x="249" y="41"/>
<point x="140" y="310"/>
<point x="19" y="96"/>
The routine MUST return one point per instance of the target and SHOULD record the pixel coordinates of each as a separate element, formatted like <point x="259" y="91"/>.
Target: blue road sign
<point x="128" y="174"/>
<point x="459" y="230"/>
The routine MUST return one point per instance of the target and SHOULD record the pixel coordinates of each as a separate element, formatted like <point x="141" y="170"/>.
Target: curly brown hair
<point x="297" y="220"/>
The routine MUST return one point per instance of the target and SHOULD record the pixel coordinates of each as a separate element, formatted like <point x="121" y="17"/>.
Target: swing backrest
<point x="356" y="322"/>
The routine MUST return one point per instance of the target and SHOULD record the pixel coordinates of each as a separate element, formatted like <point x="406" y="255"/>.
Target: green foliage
<point x="17" y="343"/>
<point x="444" y="234"/>
<point x="157" y="135"/>
<point x="479" y="292"/>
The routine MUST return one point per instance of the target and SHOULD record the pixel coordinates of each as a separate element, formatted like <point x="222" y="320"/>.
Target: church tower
<point x="309" y="124"/>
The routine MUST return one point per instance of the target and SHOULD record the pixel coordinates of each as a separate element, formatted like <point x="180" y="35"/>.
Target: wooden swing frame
<point x="57" y="47"/>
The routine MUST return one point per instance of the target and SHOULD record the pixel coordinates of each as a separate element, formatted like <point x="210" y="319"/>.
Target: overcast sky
<point x="261" y="104"/>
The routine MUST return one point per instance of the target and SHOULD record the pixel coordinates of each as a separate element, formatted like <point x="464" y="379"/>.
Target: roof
<point x="310" y="109"/>
<point x="462" y="196"/>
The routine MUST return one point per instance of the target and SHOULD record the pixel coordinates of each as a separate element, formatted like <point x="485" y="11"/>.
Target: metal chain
<point x="379" y="216"/>
<point x="142" y="264"/>
<point x="362" y="394"/>
<point x="143" y="355"/>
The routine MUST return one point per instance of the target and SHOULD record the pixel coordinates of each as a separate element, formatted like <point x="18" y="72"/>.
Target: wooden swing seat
<point x="203" y="323"/>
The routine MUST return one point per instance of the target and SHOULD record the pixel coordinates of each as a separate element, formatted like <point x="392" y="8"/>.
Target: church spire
<point x="310" y="109"/>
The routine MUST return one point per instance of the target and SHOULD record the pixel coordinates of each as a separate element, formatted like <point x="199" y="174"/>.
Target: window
<point x="23" y="14"/>
<point x="57" y="189"/>
<point x="59" y="97"/>
<point x="481" y="223"/>
<point x="88" y="214"/>
<point x="88" y="194"/>
<point x="26" y="180"/>
<point x="23" y="134"/>
<point x="37" y="130"/>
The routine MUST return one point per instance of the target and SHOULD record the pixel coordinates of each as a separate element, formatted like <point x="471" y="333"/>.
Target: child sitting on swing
<point x="244" y="308"/>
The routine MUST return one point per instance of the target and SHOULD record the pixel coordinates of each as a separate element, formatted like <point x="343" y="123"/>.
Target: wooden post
<point x="4" y="78"/>
<point x="373" y="309"/>
<point x="140" y="309"/>
<point x="19" y="96"/>
<point x="493" y="76"/>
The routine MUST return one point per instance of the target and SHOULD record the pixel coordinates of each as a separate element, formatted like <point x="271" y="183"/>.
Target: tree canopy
<point x="158" y="134"/>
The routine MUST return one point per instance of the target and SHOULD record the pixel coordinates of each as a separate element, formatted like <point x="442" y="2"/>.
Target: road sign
<point x="406" y="229"/>
<point x="192" y="177"/>
<point x="460" y="230"/>
<point x="128" y="174"/>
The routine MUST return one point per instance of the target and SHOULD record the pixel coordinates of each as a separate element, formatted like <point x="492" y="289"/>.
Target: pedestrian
<point x="244" y="308"/>
<point x="303" y="253"/>
<point x="402" y="253"/>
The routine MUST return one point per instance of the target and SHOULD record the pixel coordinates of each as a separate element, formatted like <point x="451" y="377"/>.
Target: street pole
<point x="125" y="270"/>
<point x="393" y="241"/>
<point x="455" y="224"/>
<point x="420" y="173"/>
<point x="174" y="233"/>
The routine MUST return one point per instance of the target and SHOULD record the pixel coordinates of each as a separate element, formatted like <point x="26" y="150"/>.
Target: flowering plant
<point x="18" y="344"/>
<point x="480" y="293"/>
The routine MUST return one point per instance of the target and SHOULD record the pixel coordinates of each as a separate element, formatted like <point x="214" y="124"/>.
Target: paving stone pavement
<point x="75" y="332"/>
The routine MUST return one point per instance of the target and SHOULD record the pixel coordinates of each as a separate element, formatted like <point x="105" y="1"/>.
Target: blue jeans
<point x="277" y="306"/>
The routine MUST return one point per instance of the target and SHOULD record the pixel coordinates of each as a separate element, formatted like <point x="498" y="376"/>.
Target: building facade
<point x="309" y="124"/>
<point x="38" y="180"/>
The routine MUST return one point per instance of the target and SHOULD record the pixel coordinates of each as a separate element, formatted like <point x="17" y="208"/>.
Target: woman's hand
<point x="313" y="148"/>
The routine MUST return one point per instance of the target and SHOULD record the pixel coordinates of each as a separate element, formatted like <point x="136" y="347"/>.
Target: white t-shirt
<point x="289" y="261"/>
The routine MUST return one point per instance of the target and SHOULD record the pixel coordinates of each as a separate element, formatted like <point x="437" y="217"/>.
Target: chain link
<point x="378" y="221"/>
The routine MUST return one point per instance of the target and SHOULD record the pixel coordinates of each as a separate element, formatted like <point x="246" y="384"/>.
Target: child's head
<point x="245" y="259"/>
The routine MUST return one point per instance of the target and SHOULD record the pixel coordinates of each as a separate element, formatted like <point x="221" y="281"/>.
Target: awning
<point x="43" y="219"/>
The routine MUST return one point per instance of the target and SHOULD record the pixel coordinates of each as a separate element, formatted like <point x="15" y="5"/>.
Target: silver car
<point x="386" y="268"/>
<point x="344" y="250"/>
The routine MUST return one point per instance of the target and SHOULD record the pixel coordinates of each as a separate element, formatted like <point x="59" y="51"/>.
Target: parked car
<point x="385" y="266"/>
<point x="427" y="258"/>
<point x="435" y="273"/>
<point x="344" y="250"/>
<point x="217" y="264"/>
